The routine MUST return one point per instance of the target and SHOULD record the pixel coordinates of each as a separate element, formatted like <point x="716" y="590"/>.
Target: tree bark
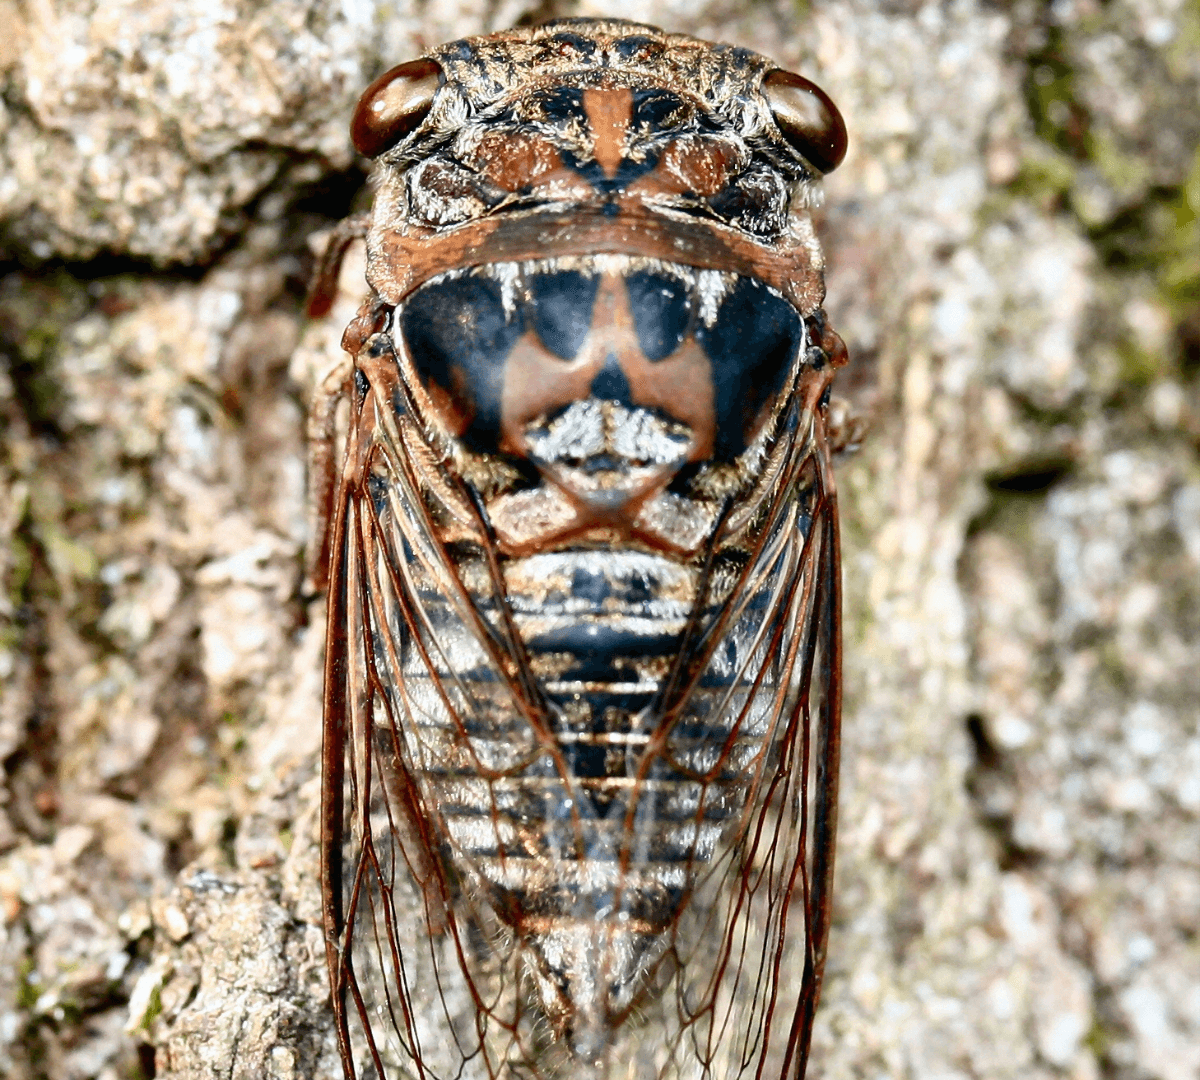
<point x="1014" y="263"/>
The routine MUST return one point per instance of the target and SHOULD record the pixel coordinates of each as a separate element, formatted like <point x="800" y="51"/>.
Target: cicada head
<point x="622" y="117"/>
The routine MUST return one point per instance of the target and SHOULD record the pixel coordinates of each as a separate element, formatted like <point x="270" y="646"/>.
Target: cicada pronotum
<point x="583" y="656"/>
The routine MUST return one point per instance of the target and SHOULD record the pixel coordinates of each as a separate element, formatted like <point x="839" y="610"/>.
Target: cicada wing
<point x="711" y="932"/>
<point x="423" y="710"/>
<point x="747" y="800"/>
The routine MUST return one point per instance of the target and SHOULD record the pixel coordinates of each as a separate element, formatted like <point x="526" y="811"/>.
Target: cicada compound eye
<point x="393" y="105"/>
<point x="807" y="118"/>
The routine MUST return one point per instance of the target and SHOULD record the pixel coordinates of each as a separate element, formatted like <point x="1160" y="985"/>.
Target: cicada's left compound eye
<point x="807" y="118"/>
<point x="393" y="105"/>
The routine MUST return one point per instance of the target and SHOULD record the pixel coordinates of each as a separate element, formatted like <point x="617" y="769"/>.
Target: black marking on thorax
<point x="461" y="330"/>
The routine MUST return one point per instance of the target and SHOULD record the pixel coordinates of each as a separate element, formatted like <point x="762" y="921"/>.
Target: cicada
<point x="582" y="682"/>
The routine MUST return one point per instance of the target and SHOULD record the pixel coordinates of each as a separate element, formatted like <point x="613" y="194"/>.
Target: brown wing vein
<point x="781" y="852"/>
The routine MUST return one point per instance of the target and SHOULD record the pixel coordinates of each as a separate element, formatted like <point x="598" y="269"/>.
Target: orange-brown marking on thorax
<point x="515" y="160"/>
<point x="687" y="167"/>
<point x="679" y="385"/>
<point x="699" y="166"/>
<point x="608" y="113"/>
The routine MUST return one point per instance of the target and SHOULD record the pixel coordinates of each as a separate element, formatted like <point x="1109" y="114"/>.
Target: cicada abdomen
<point x="582" y="673"/>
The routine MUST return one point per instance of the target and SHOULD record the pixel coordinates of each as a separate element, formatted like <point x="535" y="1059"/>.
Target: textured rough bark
<point x="1015" y="265"/>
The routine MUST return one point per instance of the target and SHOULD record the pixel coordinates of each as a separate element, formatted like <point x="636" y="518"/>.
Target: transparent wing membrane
<point x="538" y="868"/>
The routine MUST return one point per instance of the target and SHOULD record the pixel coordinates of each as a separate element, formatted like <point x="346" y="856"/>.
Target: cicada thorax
<point x="609" y="381"/>
<point x="586" y="561"/>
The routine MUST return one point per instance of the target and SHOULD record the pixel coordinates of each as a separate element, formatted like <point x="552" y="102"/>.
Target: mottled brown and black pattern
<point x="583" y="660"/>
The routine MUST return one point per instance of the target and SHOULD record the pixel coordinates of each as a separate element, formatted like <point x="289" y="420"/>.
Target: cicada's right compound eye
<point x="393" y="105"/>
<point x="807" y="118"/>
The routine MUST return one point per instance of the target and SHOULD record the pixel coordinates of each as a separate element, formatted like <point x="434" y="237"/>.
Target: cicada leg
<point x="322" y="471"/>
<point x="324" y="288"/>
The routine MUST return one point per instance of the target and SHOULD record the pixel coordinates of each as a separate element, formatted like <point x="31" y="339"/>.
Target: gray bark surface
<point x="1014" y="262"/>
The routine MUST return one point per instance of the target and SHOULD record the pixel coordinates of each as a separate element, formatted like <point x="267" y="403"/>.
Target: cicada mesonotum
<point x="583" y="656"/>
